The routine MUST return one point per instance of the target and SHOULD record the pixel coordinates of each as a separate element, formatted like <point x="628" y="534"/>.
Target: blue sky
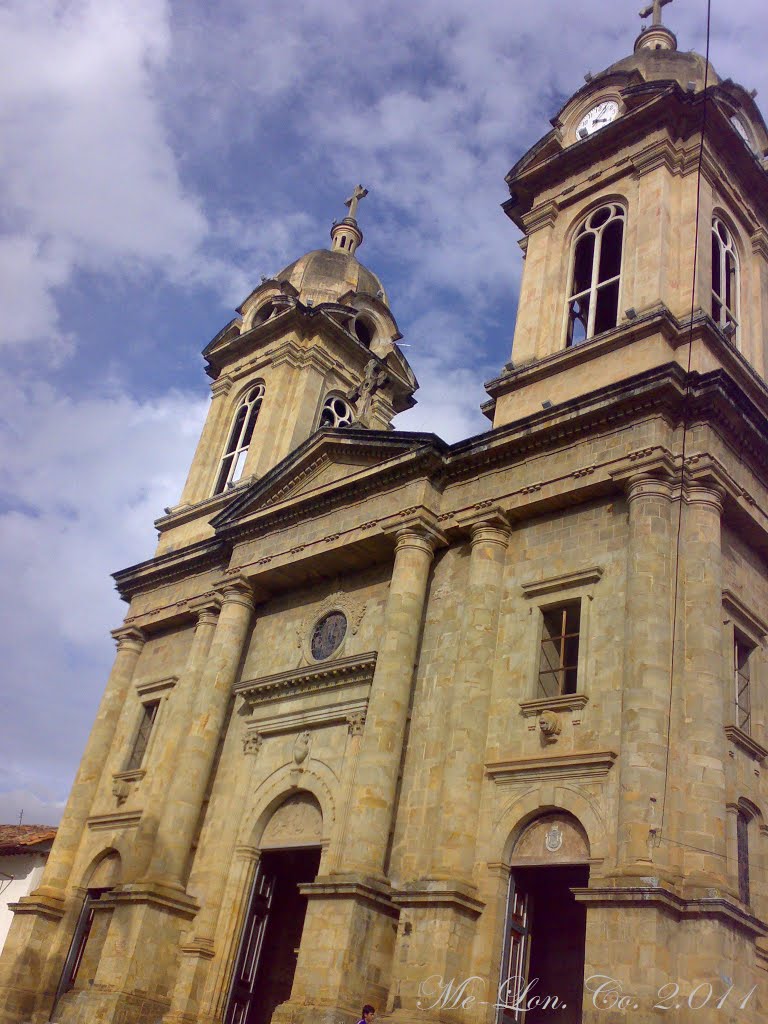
<point x="158" y="158"/>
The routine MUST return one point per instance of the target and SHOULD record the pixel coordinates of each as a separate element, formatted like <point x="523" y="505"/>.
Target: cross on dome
<point x="360" y="192"/>
<point x="655" y="10"/>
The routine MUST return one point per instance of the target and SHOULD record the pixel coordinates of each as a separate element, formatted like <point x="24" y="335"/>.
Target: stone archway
<point x="290" y="848"/>
<point x="542" y="974"/>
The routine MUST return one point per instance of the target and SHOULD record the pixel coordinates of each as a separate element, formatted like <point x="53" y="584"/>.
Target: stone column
<point x="454" y="851"/>
<point x="27" y="973"/>
<point x="702" y="741"/>
<point x="379" y="764"/>
<point x="647" y="670"/>
<point x="174" y="729"/>
<point x="130" y="643"/>
<point x="189" y="782"/>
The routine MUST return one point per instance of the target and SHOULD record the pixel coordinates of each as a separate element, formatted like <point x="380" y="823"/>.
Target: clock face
<point x="598" y="117"/>
<point x="738" y="124"/>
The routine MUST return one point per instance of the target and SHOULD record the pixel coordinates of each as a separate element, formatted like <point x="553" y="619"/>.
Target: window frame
<point x="742" y="627"/>
<point x="145" y="731"/>
<point x="239" y="437"/>
<point x="545" y="595"/>
<point x="728" y="314"/>
<point x="618" y="213"/>
<point x="333" y="396"/>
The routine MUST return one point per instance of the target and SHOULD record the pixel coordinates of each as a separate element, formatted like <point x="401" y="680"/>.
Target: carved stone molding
<point x="118" y="820"/>
<point x="585" y="766"/>
<point x="330" y="675"/>
<point x="565" y="581"/>
<point x="352" y="607"/>
<point x="747" y="743"/>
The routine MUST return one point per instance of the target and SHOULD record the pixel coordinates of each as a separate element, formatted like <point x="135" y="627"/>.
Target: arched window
<point x="725" y="279"/>
<point x="593" y="295"/>
<point x="337" y="412"/>
<point x="233" y="459"/>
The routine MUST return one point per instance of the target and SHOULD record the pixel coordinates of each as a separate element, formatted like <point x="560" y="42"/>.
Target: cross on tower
<point x="655" y="10"/>
<point x="360" y="192"/>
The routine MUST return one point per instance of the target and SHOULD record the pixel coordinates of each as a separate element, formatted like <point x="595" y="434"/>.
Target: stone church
<point x="472" y="732"/>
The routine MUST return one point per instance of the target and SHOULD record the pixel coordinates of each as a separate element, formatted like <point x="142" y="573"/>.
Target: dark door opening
<point x="269" y="945"/>
<point x="544" y="946"/>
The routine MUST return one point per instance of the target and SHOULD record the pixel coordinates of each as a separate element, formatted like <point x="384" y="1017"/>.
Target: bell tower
<point x="313" y="346"/>
<point x="643" y="213"/>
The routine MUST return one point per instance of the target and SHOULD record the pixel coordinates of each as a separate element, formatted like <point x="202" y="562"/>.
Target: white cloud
<point x="81" y="485"/>
<point x="88" y="179"/>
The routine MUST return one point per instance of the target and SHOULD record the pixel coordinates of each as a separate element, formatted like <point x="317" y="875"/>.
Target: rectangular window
<point x="80" y="940"/>
<point x="559" y="653"/>
<point x="148" y="715"/>
<point x="742" y="652"/>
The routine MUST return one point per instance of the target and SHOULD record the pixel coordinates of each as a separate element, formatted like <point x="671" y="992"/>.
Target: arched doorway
<point x="271" y="935"/>
<point x="542" y="971"/>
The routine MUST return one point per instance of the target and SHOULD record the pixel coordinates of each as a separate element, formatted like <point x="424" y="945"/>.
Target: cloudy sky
<point x="158" y="157"/>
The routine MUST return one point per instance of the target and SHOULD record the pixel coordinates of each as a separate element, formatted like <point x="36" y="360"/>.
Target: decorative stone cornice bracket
<point x="329" y="675"/>
<point x="586" y="766"/>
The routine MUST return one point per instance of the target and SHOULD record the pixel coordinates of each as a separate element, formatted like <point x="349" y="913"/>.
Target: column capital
<point x="416" y="526"/>
<point x="646" y="485"/>
<point x="708" y="493"/>
<point x="417" y="538"/>
<point x="207" y="608"/>
<point x="493" y="530"/>
<point x="129" y="638"/>
<point x="236" y="589"/>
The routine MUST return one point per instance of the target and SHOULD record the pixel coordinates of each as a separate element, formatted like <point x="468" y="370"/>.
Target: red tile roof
<point x="23" y="838"/>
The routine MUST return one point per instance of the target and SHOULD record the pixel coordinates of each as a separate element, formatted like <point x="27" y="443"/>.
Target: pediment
<point x="328" y="459"/>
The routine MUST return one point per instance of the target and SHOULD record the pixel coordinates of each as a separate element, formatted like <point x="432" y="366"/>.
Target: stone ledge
<point x="659" y="898"/>
<point x="589" y="765"/>
<point x="438" y="892"/>
<point x="564" y="702"/>
<point x="41" y="904"/>
<point x="310" y="679"/>
<point x="351" y="887"/>
<point x="120" y="819"/>
<point x="742" y="739"/>
<point x="168" y="897"/>
<point x="565" y="581"/>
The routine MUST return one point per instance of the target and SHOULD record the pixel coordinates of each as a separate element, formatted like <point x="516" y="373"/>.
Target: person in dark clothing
<point x="369" y="1012"/>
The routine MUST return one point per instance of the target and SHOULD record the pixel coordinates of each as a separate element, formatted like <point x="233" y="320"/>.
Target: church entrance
<point x="542" y="970"/>
<point x="544" y="955"/>
<point x="271" y="936"/>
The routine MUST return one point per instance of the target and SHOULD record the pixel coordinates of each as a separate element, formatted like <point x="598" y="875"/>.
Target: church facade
<point x="470" y="732"/>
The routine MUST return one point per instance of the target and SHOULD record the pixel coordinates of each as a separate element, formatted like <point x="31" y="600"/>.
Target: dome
<point x="325" y="275"/>
<point x="665" y="64"/>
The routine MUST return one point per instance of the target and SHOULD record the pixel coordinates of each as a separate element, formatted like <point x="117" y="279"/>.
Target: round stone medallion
<point x="328" y="635"/>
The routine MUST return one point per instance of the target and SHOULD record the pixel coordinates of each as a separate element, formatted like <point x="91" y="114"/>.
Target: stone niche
<point x="553" y="838"/>
<point x="298" y="821"/>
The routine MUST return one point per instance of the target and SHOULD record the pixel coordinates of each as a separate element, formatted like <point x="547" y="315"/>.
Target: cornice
<point x="327" y="675"/>
<point x="660" y="898"/>
<point x="587" y="766"/>
<point x="746" y="617"/>
<point x="188" y="561"/>
<point x="747" y="743"/>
